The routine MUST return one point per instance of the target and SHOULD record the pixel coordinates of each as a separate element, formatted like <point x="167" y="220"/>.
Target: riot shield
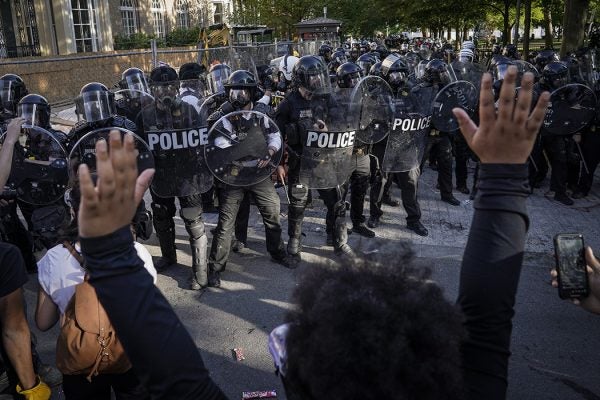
<point x="571" y="108"/>
<point x="522" y="68"/>
<point x="176" y="134"/>
<point x="211" y="104"/>
<point x="239" y="147"/>
<point x="372" y="101"/>
<point x="467" y="71"/>
<point x="129" y="102"/>
<point x="408" y="135"/>
<point x="328" y="135"/>
<point x="84" y="151"/>
<point x="40" y="173"/>
<point x="460" y="94"/>
<point x="590" y="68"/>
<point x="191" y="91"/>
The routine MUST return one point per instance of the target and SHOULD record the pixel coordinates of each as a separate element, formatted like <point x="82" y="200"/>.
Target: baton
<point x="582" y="158"/>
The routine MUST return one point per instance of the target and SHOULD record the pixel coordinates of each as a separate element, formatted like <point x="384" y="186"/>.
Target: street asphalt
<point x="554" y="345"/>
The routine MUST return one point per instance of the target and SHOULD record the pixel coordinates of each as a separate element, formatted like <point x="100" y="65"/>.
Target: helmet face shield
<point x="317" y="82"/>
<point x="7" y="94"/>
<point x="34" y="114"/>
<point x="216" y="79"/>
<point x="95" y="106"/>
<point x="500" y="71"/>
<point x="396" y="78"/>
<point x="136" y="84"/>
<point x="165" y="93"/>
<point x="239" y="97"/>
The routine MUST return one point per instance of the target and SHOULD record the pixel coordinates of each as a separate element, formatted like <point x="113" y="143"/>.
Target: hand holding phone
<point x="571" y="266"/>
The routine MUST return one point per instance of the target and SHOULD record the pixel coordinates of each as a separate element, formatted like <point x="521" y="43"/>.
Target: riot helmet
<point x="468" y="44"/>
<point x="133" y="81"/>
<point x="412" y="60"/>
<point x="95" y="103"/>
<point x="164" y="86"/>
<point x="339" y="57"/>
<point x="286" y="65"/>
<point x="35" y="110"/>
<point x="216" y="78"/>
<point x="191" y="77"/>
<point x="555" y="75"/>
<point x="394" y="70"/>
<point x="383" y="51"/>
<point x="544" y="57"/>
<point x="466" y="56"/>
<point x="420" y="69"/>
<point x="376" y="70"/>
<point x="575" y="72"/>
<point x="325" y="51"/>
<point x="191" y="70"/>
<point x="240" y="88"/>
<point x="436" y="71"/>
<point x="366" y="61"/>
<point x="496" y="49"/>
<point x="348" y="74"/>
<point x="12" y="90"/>
<point x="511" y="51"/>
<point x="310" y="74"/>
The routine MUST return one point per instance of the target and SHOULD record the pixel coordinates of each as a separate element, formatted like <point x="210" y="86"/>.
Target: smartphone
<point x="571" y="266"/>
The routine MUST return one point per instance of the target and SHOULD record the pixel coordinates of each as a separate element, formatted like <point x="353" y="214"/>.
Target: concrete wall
<point x="62" y="78"/>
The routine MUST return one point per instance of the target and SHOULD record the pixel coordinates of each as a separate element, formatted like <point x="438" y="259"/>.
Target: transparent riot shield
<point x="461" y="94"/>
<point x="327" y="134"/>
<point x="571" y="108"/>
<point x="522" y="68"/>
<point x="244" y="148"/>
<point x="40" y="173"/>
<point x="468" y="71"/>
<point x="212" y="103"/>
<point x="371" y="101"/>
<point x="590" y="68"/>
<point x="84" y="150"/>
<point x="129" y="102"/>
<point x="239" y="58"/>
<point x="410" y="128"/>
<point x="176" y="134"/>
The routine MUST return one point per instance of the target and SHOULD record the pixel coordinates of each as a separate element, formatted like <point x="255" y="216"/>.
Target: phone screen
<point x="571" y="263"/>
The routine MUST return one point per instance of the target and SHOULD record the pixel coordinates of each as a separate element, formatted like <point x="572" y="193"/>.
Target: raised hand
<point x="508" y="136"/>
<point x="111" y="204"/>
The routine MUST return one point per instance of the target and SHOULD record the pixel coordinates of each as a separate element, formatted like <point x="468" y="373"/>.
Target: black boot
<point x="199" y="278"/>
<point x="168" y="250"/>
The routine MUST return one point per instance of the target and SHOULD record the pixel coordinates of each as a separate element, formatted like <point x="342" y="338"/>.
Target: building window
<point x="158" y="18"/>
<point x="218" y="14"/>
<point x="129" y="16"/>
<point x="27" y="28"/>
<point x="183" y="14"/>
<point x="84" y="25"/>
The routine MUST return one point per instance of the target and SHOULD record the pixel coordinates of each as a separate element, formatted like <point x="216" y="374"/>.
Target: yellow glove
<point x="41" y="391"/>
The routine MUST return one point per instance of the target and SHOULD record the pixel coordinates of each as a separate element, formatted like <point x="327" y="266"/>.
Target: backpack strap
<point x="77" y="255"/>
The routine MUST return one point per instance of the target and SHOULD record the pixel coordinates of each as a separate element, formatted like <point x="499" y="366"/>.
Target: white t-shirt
<point x="59" y="272"/>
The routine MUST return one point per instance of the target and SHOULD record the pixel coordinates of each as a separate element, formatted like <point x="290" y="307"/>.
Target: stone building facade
<point x="60" y="27"/>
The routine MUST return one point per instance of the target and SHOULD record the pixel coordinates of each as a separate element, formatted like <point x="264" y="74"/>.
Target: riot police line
<point x="338" y="122"/>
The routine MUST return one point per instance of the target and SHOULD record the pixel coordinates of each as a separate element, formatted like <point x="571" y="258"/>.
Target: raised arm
<point x="162" y="352"/>
<point x="6" y="153"/>
<point x="494" y="253"/>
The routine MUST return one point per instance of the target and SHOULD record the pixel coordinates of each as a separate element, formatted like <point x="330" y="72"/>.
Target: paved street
<point x="554" y="346"/>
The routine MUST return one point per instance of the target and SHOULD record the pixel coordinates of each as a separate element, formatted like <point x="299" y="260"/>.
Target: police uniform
<point x="230" y="199"/>
<point x="295" y="116"/>
<point x="163" y="208"/>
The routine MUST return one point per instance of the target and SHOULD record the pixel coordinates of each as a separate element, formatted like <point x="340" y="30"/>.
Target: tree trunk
<point x="573" y="25"/>
<point x="548" y="38"/>
<point x="506" y="15"/>
<point x="449" y="33"/>
<point x="458" y="38"/>
<point x="526" y="29"/>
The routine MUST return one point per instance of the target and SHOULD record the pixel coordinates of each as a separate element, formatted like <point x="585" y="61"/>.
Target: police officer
<point x="134" y="88"/>
<point x="395" y="72"/>
<point x="558" y="147"/>
<point x="36" y="112"/>
<point x="296" y="114"/>
<point x="348" y="76"/>
<point x="12" y="230"/>
<point x="241" y="88"/>
<point x="170" y="112"/>
<point x="435" y="78"/>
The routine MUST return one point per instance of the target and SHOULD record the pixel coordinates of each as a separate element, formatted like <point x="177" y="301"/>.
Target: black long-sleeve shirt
<point x="169" y="364"/>
<point x="161" y="350"/>
<point x="490" y="276"/>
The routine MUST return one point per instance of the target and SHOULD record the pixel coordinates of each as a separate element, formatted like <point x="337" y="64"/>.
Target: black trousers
<point x="14" y="232"/>
<point x="557" y="148"/>
<point x="230" y="199"/>
<point x="440" y="148"/>
<point x="381" y="181"/>
<point x="358" y="185"/>
<point x="462" y="153"/>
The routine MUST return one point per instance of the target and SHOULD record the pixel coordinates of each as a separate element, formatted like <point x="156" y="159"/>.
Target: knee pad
<point x="192" y="218"/>
<point x="162" y="219"/>
<point x="298" y="194"/>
